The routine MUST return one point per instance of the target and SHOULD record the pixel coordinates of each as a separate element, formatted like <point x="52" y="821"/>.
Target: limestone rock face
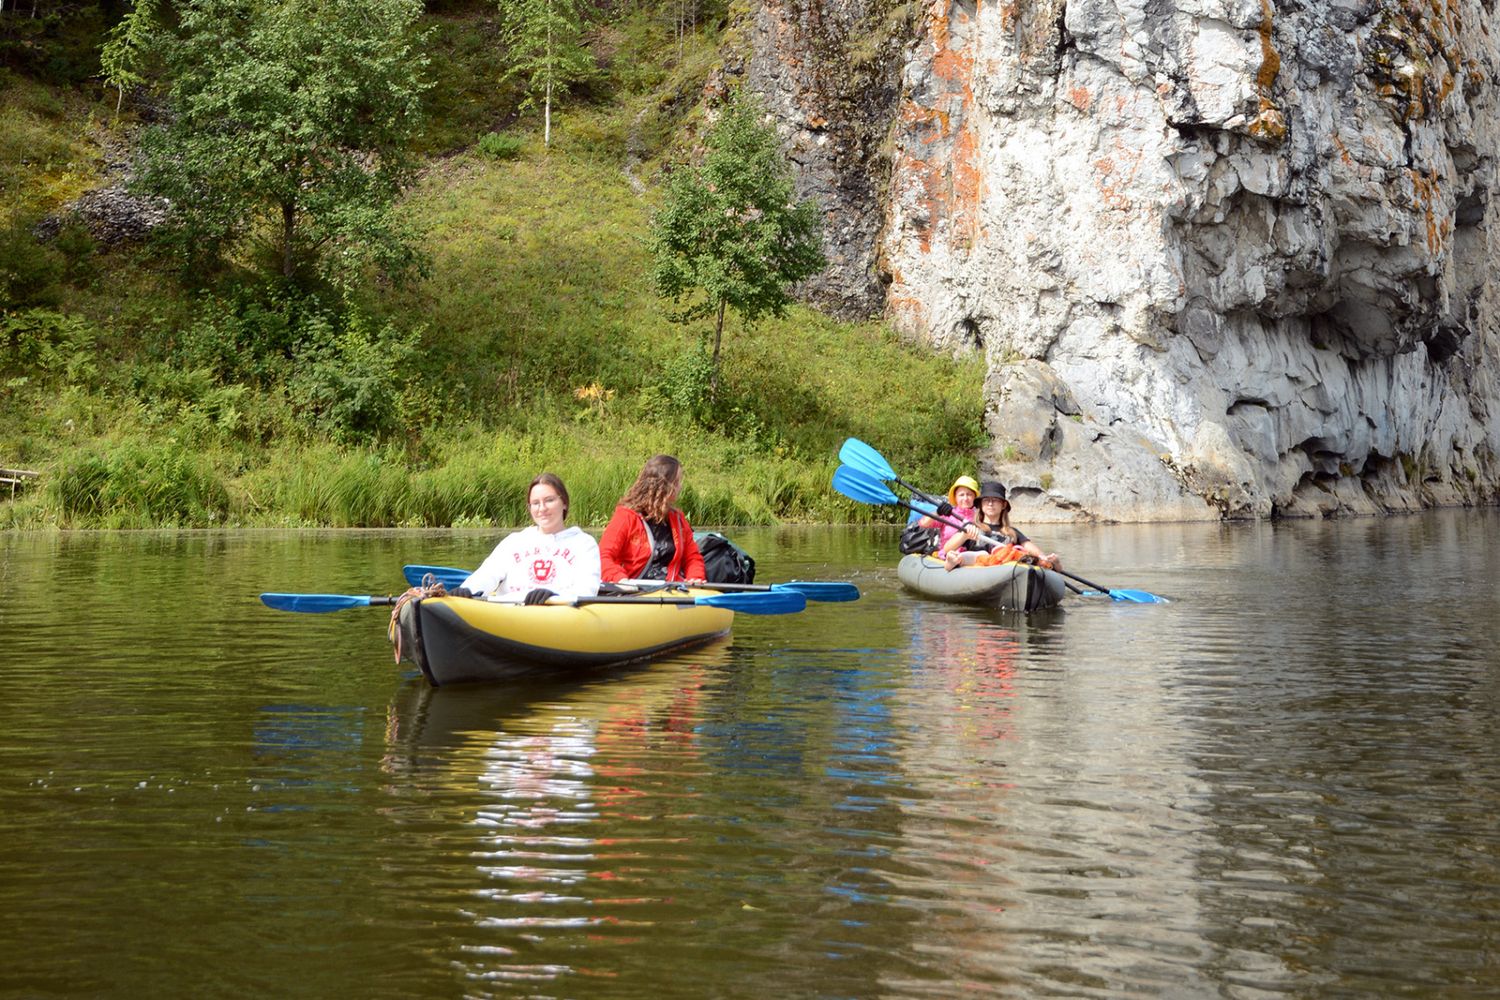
<point x="1224" y="258"/>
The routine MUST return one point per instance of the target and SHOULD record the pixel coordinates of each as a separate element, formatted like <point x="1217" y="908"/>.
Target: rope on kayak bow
<point x="430" y="586"/>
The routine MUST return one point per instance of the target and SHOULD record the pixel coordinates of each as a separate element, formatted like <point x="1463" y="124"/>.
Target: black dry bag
<point x="917" y="540"/>
<point x="724" y="561"/>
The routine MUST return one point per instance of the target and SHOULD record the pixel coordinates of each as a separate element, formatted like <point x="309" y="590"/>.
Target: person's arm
<point x="614" y="547"/>
<point x="1031" y="548"/>
<point x="689" y="558"/>
<point x="959" y="538"/>
<point x="491" y="573"/>
<point x="587" y="567"/>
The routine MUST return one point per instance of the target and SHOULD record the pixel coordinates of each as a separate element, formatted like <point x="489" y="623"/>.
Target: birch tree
<point x="123" y="56"/>
<point x="544" y="42"/>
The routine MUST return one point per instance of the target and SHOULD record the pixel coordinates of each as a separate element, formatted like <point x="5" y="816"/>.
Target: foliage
<point x="540" y="348"/>
<point x="139" y="484"/>
<point x="339" y="370"/>
<point x="544" y="41"/>
<point x="351" y="382"/>
<point x="501" y="146"/>
<point x="292" y="126"/>
<point x="730" y="234"/>
<point x="29" y="272"/>
<point x="122" y="59"/>
<point x="40" y="345"/>
<point x="685" y="384"/>
<point x="56" y="44"/>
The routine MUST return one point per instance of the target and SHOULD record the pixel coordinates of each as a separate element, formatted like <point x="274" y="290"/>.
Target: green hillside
<point x="147" y="396"/>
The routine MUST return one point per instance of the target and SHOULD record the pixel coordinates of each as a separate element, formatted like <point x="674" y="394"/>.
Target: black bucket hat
<point x="992" y="489"/>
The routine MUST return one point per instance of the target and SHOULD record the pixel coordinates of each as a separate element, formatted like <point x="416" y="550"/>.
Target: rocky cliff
<point x="1223" y="258"/>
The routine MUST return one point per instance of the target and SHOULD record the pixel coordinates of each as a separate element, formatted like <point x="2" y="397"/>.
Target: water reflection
<point x="1284" y="783"/>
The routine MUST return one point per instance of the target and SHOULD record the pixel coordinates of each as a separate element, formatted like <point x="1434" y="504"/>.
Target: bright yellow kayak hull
<point x="456" y="640"/>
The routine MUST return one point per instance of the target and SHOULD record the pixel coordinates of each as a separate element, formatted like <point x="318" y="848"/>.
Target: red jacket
<point x="625" y="548"/>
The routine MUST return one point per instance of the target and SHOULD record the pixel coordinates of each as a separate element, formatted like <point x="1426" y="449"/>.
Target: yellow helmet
<point x="967" y="482"/>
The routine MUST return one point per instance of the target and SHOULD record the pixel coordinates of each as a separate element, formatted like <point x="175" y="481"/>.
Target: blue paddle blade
<point x="819" y="590"/>
<point x="1137" y="597"/>
<point x="317" y="603"/>
<point x="859" y="486"/>
<point x="446" y="575"/>
<point x="775" y="602"/>
<point x="861" y="456"/>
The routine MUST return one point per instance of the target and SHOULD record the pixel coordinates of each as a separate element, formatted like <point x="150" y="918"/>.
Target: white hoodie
<point x="566" y="562"/>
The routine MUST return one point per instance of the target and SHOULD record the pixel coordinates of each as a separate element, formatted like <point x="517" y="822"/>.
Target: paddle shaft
<point x="813" y="590"/>
<point x="737" y="588"/>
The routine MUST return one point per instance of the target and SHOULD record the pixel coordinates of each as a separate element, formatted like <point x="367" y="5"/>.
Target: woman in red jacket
<point x="648" y="538"/>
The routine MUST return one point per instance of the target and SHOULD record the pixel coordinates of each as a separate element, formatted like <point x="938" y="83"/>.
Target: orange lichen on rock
<point x="1111" y="185"/>
<point x="1426" y="190"/>
<point x="944" y="180"/>
<point x="1269" y="125"/>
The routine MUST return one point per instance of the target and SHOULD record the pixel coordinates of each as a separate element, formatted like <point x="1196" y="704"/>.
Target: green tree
<point x="291" y="130"/>
<point x="543" y="40"/>
<point x="731" y="233"/>
<point x="122" y="59"/>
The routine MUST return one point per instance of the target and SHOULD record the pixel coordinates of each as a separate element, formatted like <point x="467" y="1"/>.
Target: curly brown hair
<point x="655" y="488"/>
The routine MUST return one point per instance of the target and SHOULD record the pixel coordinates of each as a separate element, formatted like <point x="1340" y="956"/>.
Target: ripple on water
<point x="1282" y="783"/>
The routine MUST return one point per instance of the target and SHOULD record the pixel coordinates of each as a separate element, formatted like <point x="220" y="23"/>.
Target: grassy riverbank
<point x="149" y="398"/>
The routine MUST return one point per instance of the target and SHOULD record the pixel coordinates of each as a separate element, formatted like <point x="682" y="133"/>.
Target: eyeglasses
<point x="540" y="502"/>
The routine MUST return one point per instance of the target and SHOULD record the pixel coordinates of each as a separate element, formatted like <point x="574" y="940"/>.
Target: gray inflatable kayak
<point x="1011" y="586"/>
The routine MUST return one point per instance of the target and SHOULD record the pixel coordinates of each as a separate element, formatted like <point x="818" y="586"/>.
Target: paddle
<point x="813" y="590"/>
<point x="772" y="603"/>
<point x="872" y="463"/>
<point x="857" y="485"/>
<point x="446" y="575"/>
<point x="318" y="603"/>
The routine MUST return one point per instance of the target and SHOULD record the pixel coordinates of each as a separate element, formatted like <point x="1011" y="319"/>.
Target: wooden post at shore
<point x="16" y="478"/>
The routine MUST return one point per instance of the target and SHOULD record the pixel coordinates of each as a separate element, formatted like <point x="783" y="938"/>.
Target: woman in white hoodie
<point x="549" y="558"/>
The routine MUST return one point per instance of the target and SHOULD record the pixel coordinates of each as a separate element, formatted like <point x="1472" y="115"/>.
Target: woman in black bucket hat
<point x="965" y="549"/>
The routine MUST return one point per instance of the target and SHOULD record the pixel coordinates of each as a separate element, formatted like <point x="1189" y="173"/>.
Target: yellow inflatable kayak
<point x="456" y="639"/>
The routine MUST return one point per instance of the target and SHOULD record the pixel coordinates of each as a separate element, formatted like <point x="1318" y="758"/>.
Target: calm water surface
<point x="1284" y="783"/>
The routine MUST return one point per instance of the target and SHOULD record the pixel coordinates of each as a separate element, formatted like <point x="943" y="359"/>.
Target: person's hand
<point x="972" y="530"/>
<point x="538" y="596"/>
<point x="944" y="508"/>
<point x="696" y="581"/>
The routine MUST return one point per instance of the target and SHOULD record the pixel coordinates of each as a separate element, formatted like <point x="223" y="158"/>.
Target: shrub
<point x="45" y="345"/>
<point x="501" y="146"/>
<point x="29" y="271"/>
<point x="685" y="383"/>
<point x="352" y="382"/>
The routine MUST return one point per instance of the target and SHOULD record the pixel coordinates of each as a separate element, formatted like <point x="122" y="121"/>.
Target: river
<point x="1282" y="783"/>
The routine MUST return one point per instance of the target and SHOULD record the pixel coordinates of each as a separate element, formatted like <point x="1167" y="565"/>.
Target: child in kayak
<point x="960" y="507"/>
<point x="963" y="548"/>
